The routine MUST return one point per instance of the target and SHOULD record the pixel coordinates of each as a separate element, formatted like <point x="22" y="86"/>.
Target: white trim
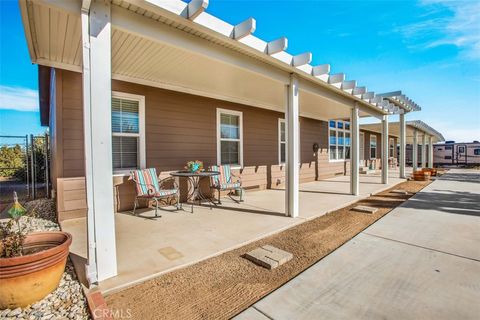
<point x="361" y="141"/>
<point x="141" y="118"/>
<point x="280" y="121"/>
<point x="391" y="154"/>
<point x="370" y="146"/>
<point x="219" y="139"/>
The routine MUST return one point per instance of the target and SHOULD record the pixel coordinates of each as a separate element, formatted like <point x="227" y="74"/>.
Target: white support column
<point x="403" y="143"/>
<point x="385" y="150"/>
<point x="96" y="38"/>
<point x="430" y="152"/>
<point x="424" y="151"/>
<point x="293" y="161"/>
<point x="415" y="150"/>
<point x="355" y="151"/>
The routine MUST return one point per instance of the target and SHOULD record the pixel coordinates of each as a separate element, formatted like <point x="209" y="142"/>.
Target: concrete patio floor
<point x="421" y="261"/>
<point x="148" y="246"/>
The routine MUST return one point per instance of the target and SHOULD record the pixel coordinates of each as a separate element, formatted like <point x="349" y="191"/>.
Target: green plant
<point x="12" y="236"/>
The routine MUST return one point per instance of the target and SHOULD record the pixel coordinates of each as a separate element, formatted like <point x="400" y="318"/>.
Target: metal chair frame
<point x="219" y="189"/>
<point x="157" y="198"/>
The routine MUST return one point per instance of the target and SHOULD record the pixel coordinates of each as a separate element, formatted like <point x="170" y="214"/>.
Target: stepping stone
<point x="170" y="253"/>
<point x="365" y="209"/>
<point x="268" y="256"/>
<point x="399" y="191"/>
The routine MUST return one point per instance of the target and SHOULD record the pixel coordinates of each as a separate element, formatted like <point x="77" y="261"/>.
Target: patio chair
<point x="148" y="187"/>
<point x="225" y="182"/>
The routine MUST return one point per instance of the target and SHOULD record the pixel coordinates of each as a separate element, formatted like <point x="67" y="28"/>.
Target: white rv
<point x="452" y="153"/>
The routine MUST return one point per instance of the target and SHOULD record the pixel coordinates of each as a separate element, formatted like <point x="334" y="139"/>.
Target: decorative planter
<point x="433" y="172"/>
<point x="421" y="175"/>
<point x="29" y="278"/>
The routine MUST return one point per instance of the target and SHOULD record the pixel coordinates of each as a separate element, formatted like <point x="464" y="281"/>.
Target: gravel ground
<point x="67" y="301"/>
<point x="223" y="286"/>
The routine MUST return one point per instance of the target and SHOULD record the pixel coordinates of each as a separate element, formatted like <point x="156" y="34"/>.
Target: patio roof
<point x="394" y="130"/>
<point x="175" y="45"/>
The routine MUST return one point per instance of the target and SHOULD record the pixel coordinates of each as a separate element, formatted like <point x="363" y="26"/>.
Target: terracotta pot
<point x="29" y="278"/>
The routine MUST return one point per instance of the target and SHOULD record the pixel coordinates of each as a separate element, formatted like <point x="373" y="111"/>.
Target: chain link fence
<point x="24" y="168"/>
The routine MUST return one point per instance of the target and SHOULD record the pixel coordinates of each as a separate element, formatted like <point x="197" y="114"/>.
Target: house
<point x="143" y="83"/>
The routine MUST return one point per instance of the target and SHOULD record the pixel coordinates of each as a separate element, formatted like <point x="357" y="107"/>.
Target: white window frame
<point x="141" y="134"/>
<point x="336" y="129"/>
<point x="370" y="146"/>
<point x="391" y="148"/>
<point x="280" y="121"/>
<point x="361" y="151"/>
<point x="221" y="111"/>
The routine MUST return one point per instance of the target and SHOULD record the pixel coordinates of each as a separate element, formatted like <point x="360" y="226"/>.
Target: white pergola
<point x="175" y="45"/>
<point x="411" y="130"/>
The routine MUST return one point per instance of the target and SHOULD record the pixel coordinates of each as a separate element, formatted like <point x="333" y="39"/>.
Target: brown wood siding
<point x="182" y="127"/>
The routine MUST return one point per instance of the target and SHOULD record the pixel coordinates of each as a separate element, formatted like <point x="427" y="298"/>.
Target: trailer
<point x="452" y="153"/>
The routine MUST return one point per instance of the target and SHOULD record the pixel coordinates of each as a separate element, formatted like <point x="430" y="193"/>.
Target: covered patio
<point x="144" y="48"/>
<point x="148" y="247"/>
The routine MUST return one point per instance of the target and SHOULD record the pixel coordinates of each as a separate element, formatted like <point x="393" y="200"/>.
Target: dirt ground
<point x="223" y="286"/>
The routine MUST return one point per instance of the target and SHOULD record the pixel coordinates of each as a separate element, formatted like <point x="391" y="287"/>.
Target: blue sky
<point x="428" y="49"/>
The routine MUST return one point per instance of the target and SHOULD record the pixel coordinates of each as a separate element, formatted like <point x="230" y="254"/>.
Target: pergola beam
<point x="336" y="78"/>
<point x="348" y="85"/>
<point x="321" y="71"/>
<point x="368" y="95"/>
<point x="359" y="91"/>
<point x="302" y="59"/>
<point x="244" y="29"/>
<point x="277" y="45"/>
<point x="195" y="8"/>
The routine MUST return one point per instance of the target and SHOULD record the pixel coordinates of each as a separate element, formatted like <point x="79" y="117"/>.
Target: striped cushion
<point x="162" y="193"/>
<point x="146" y="181"/>
<point x="225" y="176"/>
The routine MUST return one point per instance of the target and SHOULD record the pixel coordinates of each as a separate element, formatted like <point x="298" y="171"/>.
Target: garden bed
<point x="223" y="286"/>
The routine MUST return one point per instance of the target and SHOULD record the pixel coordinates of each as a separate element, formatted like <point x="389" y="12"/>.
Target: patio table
<point x="195" y="178"/>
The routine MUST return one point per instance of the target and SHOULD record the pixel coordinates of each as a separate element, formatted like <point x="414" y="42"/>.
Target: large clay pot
<point x="29" y="278"/>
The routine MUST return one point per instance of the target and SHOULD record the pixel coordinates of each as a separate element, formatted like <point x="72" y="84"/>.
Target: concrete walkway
<point x="421" y="261"/>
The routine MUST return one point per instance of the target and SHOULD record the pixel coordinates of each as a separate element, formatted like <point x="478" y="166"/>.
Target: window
<point x="461" y="149"/>
<point x="128" y="131"/>
<point x="282" y="141"/>
<point x="448" y="148"/>
<point x="339" y="140"/>
<point x="391" y="144"/>
<point x="476" y="152"/>
<point x="448" y="157"/>
<point x="373" y="147"/>
<point x="229" y="137"/>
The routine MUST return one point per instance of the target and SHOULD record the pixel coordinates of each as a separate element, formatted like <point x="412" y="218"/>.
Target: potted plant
<point x="31" y="265"/>
<point x="194" y="166"/>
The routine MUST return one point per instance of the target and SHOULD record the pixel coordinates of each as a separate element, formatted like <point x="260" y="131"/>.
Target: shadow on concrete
<point x="254" y="211"/>
<point x="457" y="202"/>
<point x="461" y="177"/>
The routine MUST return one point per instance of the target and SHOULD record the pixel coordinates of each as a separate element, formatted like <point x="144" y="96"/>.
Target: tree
<point x="12" y="161"/>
